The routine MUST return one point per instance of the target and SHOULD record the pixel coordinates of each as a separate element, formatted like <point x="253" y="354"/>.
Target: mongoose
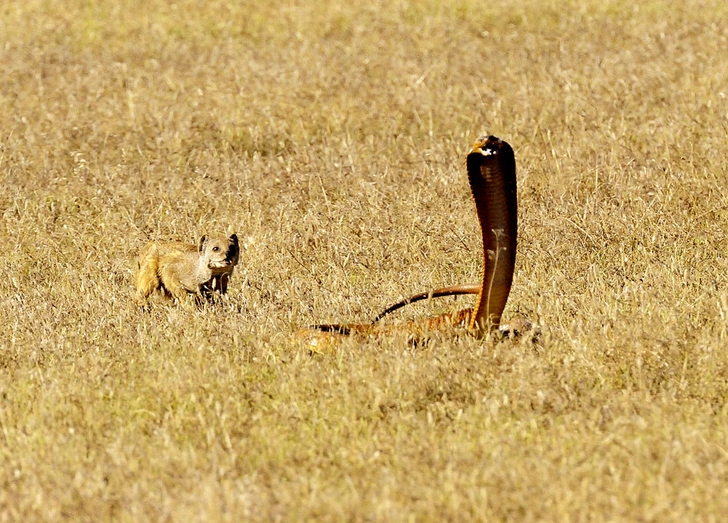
<point x="181" y="269"/>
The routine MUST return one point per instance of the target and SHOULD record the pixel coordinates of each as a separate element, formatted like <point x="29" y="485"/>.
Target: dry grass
<point x="331" y="139"/>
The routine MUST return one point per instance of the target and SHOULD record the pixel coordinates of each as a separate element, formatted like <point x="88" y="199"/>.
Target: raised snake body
<point x="491" y="168"/>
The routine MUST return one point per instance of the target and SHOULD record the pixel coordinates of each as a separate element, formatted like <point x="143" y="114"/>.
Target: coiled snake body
<point x="491" y="170"/>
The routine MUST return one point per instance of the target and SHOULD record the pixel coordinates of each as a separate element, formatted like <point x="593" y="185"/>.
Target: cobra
<point x="491" y="168"/>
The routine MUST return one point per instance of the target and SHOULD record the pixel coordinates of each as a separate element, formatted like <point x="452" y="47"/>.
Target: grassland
<point x="331" y="138"/>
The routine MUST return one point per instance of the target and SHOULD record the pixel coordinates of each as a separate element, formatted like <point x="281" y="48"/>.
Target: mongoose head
<point x="220" y="252"/>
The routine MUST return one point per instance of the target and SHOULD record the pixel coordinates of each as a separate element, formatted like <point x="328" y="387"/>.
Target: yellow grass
<point x="331" y="137"/>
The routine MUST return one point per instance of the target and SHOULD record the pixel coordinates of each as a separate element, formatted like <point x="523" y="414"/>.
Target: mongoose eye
<point x="215" y="249"/>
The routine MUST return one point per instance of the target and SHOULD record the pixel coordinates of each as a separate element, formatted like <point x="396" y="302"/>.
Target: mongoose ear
<point x="203" y="241"/>
<point x="233" y="253"/>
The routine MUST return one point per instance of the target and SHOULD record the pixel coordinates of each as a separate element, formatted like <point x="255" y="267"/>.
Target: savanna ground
<point x="331" y="138"/>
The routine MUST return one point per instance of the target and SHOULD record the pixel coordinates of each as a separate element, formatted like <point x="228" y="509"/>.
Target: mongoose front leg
<point x="223" y="283"/>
